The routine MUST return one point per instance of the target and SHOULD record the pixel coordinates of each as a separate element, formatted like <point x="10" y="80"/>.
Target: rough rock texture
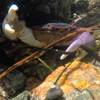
<point x="92" y="2"/>
<point x="25" y="95"/>
<point x="81" y="81"/>
<point x="11" y="84"/>
<point x="49" y="10"/>
<point x="92" y="17"/>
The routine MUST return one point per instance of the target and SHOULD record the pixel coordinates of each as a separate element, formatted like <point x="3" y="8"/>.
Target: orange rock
<point x="67" y="87"/>
<point x="78" y="75"/>
<point x="81" y="84"/>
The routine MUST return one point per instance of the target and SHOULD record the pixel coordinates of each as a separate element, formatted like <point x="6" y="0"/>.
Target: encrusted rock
<point x="12" y="84"/>
<point x="81" y="81"/>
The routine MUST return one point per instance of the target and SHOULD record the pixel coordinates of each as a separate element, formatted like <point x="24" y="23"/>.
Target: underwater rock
<point x="92" y="2"/>
<point x="12" y="84"/>
<point x="79" y="81"/>
<point x="25" y="95"/>
<point x="54" y="93"/>
<point x="39" y="12"/>
<point x="93" y="16"/>
<point x="81" y="6"/>
<point x="43" y="8"/>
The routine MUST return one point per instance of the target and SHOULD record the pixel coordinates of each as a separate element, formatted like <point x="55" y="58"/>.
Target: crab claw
<point x="85" y="39"/>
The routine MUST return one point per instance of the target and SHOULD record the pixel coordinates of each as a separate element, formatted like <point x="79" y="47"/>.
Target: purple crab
<point x="85" y="39"/>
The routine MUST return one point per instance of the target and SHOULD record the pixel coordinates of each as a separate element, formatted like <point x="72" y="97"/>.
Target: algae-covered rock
<point x="12" y="84"/>
<point x="80" y="81"/>
<point x="25" y="95"/>
<point x="92" y="16"/>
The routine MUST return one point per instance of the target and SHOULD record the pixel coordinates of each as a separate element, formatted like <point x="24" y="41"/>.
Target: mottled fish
<point x="52" y="26"/>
